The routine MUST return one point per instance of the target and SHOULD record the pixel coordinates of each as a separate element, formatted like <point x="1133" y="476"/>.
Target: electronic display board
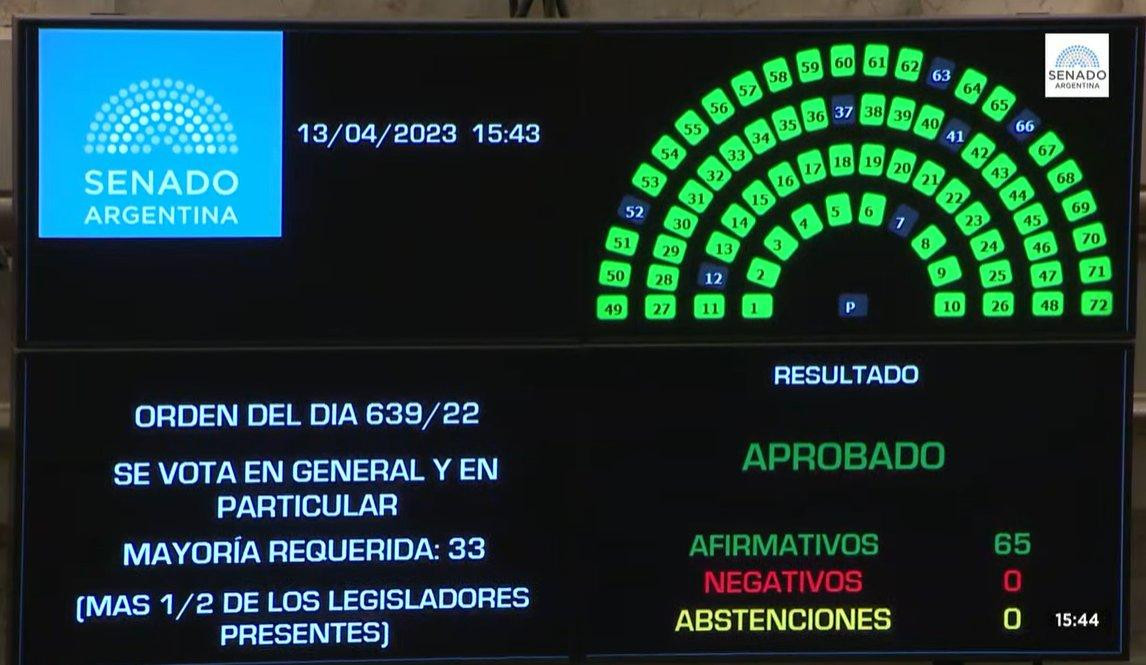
<point x="568" y="341"/>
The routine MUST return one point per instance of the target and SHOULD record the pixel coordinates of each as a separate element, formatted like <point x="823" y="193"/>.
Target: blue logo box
<point x="160" y="133"/>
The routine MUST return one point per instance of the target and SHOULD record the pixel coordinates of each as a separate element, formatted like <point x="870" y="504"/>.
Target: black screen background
<point x="498" y="246"/>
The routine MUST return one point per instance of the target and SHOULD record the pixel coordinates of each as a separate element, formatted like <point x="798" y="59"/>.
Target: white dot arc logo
<point x="161" y="115"/>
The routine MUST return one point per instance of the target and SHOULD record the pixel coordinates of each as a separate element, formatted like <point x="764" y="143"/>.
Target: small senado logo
<point x="162" y="116"/>
<point x="1077" y="65"/>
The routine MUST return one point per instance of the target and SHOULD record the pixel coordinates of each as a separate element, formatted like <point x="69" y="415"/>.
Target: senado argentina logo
<point x="162" y="117"/>
<point x="159" y="133"/>
<point x="1077" y="65"/>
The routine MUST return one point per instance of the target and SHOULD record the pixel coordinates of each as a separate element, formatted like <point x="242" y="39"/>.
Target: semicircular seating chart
<point x="763" y="166"/>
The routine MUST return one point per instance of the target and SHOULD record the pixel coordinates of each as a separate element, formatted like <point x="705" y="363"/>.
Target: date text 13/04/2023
<point x="379" y="134"/>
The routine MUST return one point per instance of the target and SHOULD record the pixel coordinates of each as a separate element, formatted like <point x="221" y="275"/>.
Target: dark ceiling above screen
<point x="764" y="182"/>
